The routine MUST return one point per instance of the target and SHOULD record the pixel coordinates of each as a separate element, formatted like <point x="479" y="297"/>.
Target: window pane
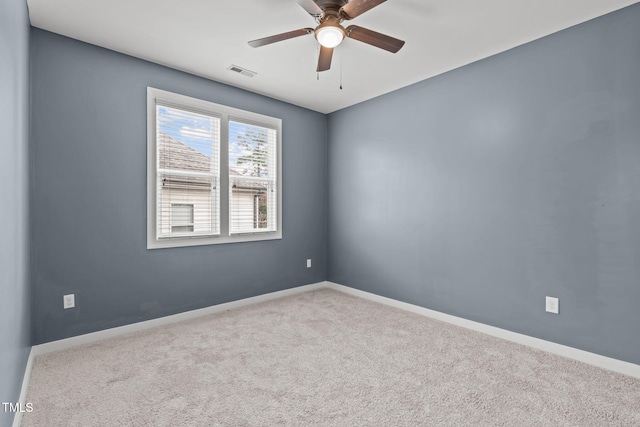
<point x="250" y="150"/>
<point x="249" y="206"/>
<point x="252" y="178"/>
<point x="185" y="139"/>
<point x="187" y="145"/>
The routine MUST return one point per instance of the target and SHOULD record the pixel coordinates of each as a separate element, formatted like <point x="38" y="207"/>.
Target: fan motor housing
<point x="337" y="4"/>
<point x="331" y="7"/>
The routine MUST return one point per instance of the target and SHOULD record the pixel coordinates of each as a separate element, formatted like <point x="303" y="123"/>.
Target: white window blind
<point x="187" y="145"/>
<point x="252" y="178"/>
<point x="213" y="173"/>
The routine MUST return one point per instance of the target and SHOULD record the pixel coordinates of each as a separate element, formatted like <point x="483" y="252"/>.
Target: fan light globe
<point x="329" y="36"/>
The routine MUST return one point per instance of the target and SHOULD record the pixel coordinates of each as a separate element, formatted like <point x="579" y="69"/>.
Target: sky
<point x="193" y="130"/>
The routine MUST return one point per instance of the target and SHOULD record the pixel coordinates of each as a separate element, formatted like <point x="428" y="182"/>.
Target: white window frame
<point x="225" y="114"/>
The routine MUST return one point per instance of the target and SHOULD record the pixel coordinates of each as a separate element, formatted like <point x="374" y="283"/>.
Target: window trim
<point x="225" y="114"/>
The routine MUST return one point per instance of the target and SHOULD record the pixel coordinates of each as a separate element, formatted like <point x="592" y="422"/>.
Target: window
<point x="181" y="218"/>
<point x="252" y="177"/>
<point x="213" y="173"/>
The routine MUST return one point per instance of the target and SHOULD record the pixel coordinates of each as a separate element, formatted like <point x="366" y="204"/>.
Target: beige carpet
<point x="321" y="358"/>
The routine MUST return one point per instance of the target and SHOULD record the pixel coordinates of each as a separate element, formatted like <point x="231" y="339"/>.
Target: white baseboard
<point x="17" y="418"/>
<point x="600" y="361"/>
<point x="140" y="326"/>
<point x="604" y="362"/>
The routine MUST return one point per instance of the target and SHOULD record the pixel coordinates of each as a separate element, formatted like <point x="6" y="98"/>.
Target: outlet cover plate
<point x="552" y="305"/>
<point x="69" y="301"/>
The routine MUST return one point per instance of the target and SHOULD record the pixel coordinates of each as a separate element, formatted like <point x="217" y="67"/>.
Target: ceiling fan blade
<point x="373" y="38"/>
<point x="280" y="37"/>
<point x="358" y="7"/>
<point x="324" y="61"/>
<point x="311" y="7"/>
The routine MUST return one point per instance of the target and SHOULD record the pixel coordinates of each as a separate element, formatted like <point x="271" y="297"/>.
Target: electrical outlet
<point x="553" y="305"/>
<point x="69" y="301"/>
<point x="309" y="263"/>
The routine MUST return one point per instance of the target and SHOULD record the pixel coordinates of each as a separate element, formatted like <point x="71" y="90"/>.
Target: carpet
<point x="321" y="358"/>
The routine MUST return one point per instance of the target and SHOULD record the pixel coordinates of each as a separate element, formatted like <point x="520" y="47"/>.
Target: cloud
<point x="194" y="133"/>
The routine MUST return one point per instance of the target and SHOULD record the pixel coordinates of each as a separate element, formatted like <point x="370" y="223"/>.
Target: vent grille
<point x="242" y="71"/>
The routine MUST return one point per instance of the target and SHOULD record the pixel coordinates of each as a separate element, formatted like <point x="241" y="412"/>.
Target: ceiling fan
<point x="329" y="14"/>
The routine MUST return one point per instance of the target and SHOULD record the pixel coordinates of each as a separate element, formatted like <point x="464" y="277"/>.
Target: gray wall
<point x="88" y="197"/>
<point x="480" y="191"/>
<point x="14" y="127"/>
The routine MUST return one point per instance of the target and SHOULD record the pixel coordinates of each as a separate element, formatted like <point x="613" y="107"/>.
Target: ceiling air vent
<point x="242" y="71"/>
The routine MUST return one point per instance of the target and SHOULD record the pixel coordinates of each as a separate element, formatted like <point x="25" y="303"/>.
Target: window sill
<point x="178" y="242"/>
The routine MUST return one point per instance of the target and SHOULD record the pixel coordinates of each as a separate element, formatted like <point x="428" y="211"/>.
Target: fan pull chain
<point x="317" y="53"/>
<point x="340" y="72"/>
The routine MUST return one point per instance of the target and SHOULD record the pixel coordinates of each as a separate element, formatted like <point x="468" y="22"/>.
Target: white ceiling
<point x="205" y="37"/>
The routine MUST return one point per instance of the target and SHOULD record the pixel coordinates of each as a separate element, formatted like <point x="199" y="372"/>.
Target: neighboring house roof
<point x="177" y="155"/>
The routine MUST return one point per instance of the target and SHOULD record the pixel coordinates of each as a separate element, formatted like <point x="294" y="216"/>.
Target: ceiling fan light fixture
<point x="330" y="35"/>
